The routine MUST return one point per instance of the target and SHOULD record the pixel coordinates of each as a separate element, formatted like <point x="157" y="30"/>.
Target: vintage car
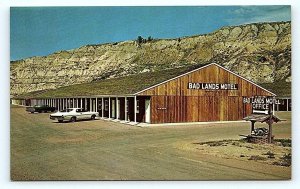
<point x="73" y="114"/>
<point x="39" y="109"/>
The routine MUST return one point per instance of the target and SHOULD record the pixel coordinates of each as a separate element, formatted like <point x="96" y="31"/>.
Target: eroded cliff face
<point x="259" y="52"/>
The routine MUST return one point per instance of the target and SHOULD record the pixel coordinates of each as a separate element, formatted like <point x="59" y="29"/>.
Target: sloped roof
<point x="261" y="118"/>
<point x="127" y="85"/>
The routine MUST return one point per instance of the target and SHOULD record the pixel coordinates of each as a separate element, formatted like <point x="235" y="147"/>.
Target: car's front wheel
<point x="73" y="119"/>
<point x="93" y="117"/>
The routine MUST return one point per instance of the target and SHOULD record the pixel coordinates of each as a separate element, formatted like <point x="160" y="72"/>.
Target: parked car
<point x="39" y="109"/>
<point x="73" y="114"/>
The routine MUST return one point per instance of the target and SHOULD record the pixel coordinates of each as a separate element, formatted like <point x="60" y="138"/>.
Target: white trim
<point x="126" y="117"/>
<point x="260" y="111"/>
<point x="135" y="109"/>
<point x="200" y="69"/>
<point x="102" y="107"/>
<point x="109" y="109"/>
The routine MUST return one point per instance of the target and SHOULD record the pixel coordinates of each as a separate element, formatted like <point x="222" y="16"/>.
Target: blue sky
<point x="41" y="31"/>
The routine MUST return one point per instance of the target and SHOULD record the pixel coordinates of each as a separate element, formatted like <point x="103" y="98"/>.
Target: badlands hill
<point x="260" y="52"/>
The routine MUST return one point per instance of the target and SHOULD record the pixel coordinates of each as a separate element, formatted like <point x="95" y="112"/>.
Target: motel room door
<point x="147" y="110"/>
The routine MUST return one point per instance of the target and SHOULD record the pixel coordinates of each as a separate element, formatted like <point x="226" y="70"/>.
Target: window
<point x="66" y="110"/>
<point x="137" y="106"/>
<point x="106" y="105"/>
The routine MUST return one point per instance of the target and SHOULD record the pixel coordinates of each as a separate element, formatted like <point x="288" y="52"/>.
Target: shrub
<point x="270" y="154"/>
<point x="256" y="157"/>
<point x="285" y="142"/>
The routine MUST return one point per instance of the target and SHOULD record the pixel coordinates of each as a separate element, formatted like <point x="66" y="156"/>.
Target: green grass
<point x="280" y="88"/>
<point x="116" y="86"/>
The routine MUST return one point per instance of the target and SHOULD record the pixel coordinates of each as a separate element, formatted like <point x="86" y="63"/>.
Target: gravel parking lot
<point x="42" y="149"/>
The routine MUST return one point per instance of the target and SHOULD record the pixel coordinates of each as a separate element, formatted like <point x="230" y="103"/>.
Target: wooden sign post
<point x="270" y="122"/>
<point x="262" y="111"/>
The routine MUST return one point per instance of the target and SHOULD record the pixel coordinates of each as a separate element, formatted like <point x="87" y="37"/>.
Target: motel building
<point x="203" y="94"/>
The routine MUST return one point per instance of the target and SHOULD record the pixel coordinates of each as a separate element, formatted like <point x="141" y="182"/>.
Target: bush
<point x="270" y="154"/>
<point x="256" y="157"/>
<point x="286" y="160"/>
<point x="284" y="142"/>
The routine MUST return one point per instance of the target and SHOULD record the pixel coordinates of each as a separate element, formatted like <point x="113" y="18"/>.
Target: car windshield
<point x="66" y="110"/>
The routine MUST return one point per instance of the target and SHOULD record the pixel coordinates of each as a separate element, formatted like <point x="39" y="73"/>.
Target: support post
<point x="252" y="126"/>
<point x="80" y="102"/>
<point x="108" y="107"/>
<point x="270" y="130"/>
<point x="125" y="109"/>
<point x="96" y="110"/>
<point x="117" y="109"/>
<point x="135" y="109"/>
<point x="102" y="107"/>
<point x="91" y="104"/>
<point x="85" y="107"/>
<point x="287" y="104"/>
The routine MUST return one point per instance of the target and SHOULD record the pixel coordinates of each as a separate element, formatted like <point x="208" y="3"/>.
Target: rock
<point x="238" y="48"/>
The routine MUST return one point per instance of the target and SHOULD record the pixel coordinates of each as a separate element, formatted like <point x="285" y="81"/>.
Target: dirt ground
<point x="100" y="150"/>
<point x="278" y="153"/>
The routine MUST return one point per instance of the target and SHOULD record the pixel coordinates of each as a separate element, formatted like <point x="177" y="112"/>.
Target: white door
<point x="113" y="111"/>
<point x="118" y="108"/>
<point x="147" y="111"/>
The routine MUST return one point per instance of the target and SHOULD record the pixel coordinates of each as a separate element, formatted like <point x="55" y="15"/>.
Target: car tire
<point x="73" y="119"/>
<point x="93" y="117"/>
<point x="60" y="121"/>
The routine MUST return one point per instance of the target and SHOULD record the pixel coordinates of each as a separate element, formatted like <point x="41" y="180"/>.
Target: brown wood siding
<point x="210" y="74"/>
<point x="174" y="102"/>
<point x="174" y="109"/>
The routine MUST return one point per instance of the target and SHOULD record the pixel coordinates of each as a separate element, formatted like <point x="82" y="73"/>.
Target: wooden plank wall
<point x="210" y="74"/>
<point x="173" y="102"/>
<point x="174" y="109"/>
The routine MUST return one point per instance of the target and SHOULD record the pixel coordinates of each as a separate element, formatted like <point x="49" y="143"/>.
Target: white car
<point x="73" y="114"/>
